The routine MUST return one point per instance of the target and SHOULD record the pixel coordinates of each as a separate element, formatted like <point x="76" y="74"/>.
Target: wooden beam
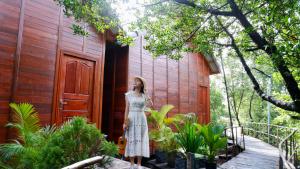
<point x="54" y="114"/>
<point x="18" y="51"/>
<point x="85" y="163"/>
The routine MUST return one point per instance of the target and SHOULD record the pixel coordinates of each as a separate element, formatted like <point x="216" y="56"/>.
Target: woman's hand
<point x="149" y="102"/>
<point x="125" y="126"/>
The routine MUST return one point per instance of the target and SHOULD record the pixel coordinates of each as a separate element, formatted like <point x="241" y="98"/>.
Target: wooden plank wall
<point x="184" y="83"/>
<point x="10" y="18"/>
<point x="32" y="34"/>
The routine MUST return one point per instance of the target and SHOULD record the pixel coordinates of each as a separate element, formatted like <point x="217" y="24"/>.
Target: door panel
<point x="76" y="87"/>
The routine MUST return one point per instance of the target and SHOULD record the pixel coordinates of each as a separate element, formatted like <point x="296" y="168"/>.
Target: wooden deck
<point x="258" y="155"/>
<point x="120" y="164"/>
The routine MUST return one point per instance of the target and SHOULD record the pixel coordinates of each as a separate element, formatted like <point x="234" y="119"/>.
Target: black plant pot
<point x="160" y="156"/>
<point x="202" y="162"/>
<point x="211" y="165"/>
<point x="180" y="162"/>
<point x="196" y="163"/>
<point x="171" y="156"/>
<point x="191" y="160"/>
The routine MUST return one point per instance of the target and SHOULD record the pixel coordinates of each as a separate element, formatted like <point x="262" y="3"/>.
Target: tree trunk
<point x="227" y="95"/>
<point x="250" y="106"/>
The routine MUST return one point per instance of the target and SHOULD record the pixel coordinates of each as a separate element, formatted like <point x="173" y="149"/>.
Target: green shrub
<point x="189" y="137"/>
<point x="75" y="141"/>
<point x="213" y="139"/>
<point x="50" y="146"/>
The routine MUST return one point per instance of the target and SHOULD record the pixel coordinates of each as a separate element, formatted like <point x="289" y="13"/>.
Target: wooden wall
<point x="183" y="83"/>
<point x="9" y="17"/>
<point x="32" y="35"/>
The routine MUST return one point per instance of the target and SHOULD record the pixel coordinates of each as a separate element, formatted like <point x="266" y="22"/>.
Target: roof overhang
<point x="212" y="63"/>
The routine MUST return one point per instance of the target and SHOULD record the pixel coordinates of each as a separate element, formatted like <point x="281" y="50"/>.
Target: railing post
<point x="268" y="128"/>
<point x="286" y="149"/>
<point x="280" y="163"/>
<point x="243" y="138"/>
<point x="277" y="138"/>
<point x="236" y="137"/>
<point x="226" y="144"/>
<point x="291" y="147"/>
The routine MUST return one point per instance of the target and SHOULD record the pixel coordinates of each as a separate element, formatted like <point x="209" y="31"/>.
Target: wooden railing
<point x="85" y="163"/>
<point x="284" y="138"/>
<point x="288" y="152"/>
<point x="236" y="135"/>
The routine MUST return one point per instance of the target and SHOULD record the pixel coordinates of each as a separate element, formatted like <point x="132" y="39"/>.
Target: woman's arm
<point x="125" y="124"/>
<point x="149" y="102"/>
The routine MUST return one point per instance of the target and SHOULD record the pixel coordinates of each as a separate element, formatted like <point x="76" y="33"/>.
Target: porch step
<point x="154" y="165"/>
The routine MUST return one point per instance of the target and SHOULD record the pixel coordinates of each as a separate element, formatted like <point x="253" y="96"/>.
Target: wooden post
<point x="243" y="138"/>
<point x="286" y="149"/>
<point x="277" y="138"/>
<point x="280" y="163"/>
<point x="226" y="144"/>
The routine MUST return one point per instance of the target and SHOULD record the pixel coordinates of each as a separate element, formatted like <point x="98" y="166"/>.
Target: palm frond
<point x="4" y="165"/>
<point x="25" y="119"/>
<point x="10" y="150"/>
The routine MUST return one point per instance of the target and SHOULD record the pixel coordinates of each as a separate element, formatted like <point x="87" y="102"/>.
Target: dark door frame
<point x="117" y="50"/>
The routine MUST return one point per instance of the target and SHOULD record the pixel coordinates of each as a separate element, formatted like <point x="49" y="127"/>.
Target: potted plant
<point x="158" y="130"/>
<point x="189" y="139"/>
<point x="170" y="146"/>
<point x="212" y="135"/>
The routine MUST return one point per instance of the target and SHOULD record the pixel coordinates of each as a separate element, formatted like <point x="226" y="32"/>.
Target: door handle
<point x="62" y="103"/>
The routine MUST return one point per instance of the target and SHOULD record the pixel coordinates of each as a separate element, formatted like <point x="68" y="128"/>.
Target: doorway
<point x="114" y="87"/>
<point x="75" y="87"/>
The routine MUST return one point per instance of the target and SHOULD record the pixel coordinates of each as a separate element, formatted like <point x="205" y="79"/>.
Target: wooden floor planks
<point x="258" y="155"/>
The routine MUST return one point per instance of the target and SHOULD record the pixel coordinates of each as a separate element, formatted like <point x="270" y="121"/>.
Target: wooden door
<point x="203" y="104"/>
<point x="76" y="85"/>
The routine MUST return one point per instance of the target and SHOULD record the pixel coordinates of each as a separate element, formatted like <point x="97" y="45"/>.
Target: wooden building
<point x="65" y="75"/>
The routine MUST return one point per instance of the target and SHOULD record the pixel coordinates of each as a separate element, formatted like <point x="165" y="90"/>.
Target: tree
<point x="98" y="13"/>
<point x="268" y="29"/>
<point x="217" y="107"/>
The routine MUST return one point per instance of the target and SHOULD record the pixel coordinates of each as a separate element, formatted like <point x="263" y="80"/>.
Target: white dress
<point x="137" y="133"/>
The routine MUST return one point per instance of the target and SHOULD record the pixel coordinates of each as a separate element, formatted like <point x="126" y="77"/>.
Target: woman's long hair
<point x="142" y="88"/>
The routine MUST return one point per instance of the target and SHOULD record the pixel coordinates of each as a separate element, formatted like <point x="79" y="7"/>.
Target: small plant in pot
<point x="170" y="145"/>
<point x="189" y="139"/>
<point x="158" y="130"/>
<point x="214" y="142"/>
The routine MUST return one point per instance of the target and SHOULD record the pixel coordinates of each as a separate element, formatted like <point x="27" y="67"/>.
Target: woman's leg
<point x="139" y="160"/>
<point x="132" y="160"/>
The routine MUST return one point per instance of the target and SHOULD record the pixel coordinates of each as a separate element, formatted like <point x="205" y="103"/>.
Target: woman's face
<point x="138" y="83"/>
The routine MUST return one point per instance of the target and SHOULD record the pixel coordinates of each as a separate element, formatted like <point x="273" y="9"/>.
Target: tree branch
<point x="197" y="28"/>
<point x="208" y="10"/>
<point x="149" y="5"/>
<point x="262" y="72"/>
<point x="271" y="50"/>
<point x="284" y="105"/>
<point x="252" y="49"/>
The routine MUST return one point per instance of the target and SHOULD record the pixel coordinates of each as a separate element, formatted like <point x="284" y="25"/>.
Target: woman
<point x="135" y="123"/>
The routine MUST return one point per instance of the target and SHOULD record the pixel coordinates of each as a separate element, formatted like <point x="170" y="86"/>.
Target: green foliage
<point x="52" y="147"/>
<point x="176" y="27"/>
<point x="212" y="135"/>
<point x="217" y="106"/>
<point x="189" y="137"/>
<point x="156" y="118"/>
<point x="161" y="133"/>
<point x="97" y="13"/>
<point x="74" y="141"/>
<point x="25" y="119"/>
